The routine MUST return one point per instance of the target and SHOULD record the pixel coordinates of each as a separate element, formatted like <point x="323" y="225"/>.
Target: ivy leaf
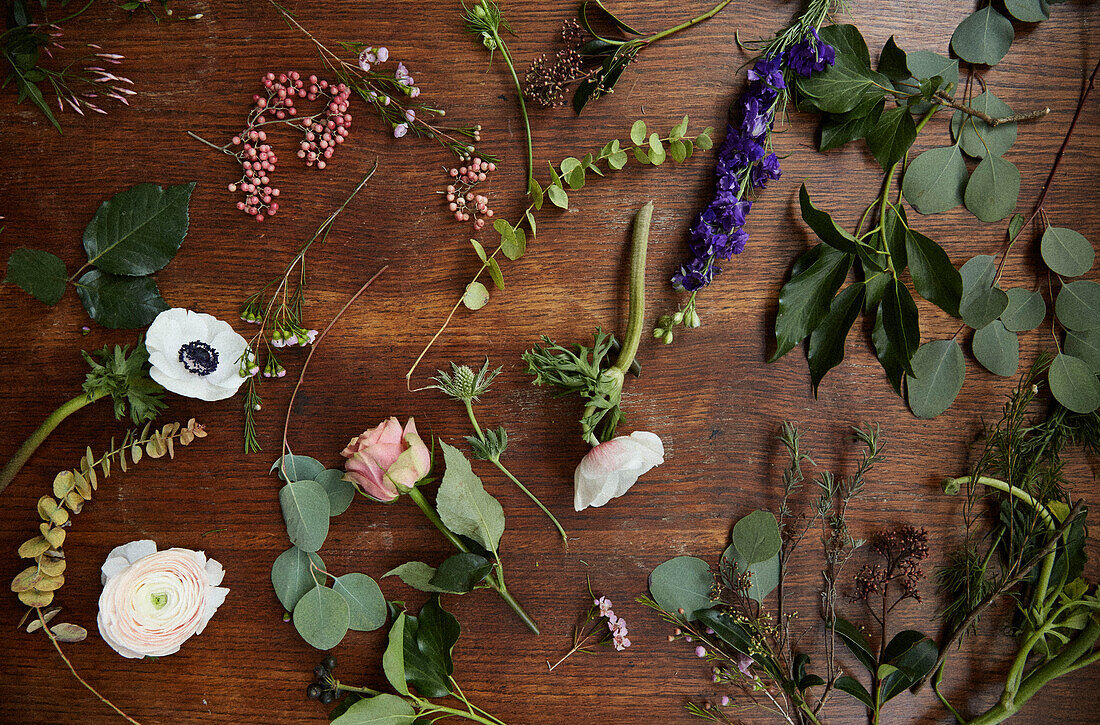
<point x="1073" y="384"/>
<point x="1078" y="305"/>
<point x="997" y="349"/>
<point x="383" y="709"/>
<point x="975" y="136"/>
<point x="460" y="573"/>
<point x="38" y="273"/>
<point x="938" y="373"/>
<point x="901" y="322"/>
<point x="934" y="277"/>
<point x="1065" y="251"/>
<point x="837" y="130"/>
<point x="1025" y="311"/>
<point x="850" y="80"/>
<point x="983" y="38"/>
<point x="138" y="231"/>
<point x="366" y="605"/>
<point x="806" y="298"/>
<point x="305" y="509"/>
<point x="321" y="616"/>
<point x="993" y="189"/>
<point x="981" y="301"/>
<point x="895" y="226"/>
<point x="120" y="302"/>
<point x="826" y="348"/>
<point x="464" y="505"/>
<point x="935" y="181"/>
<point x="892" y="136"/>
<point x="892" y="62"/>
<point x="292" y="576"/>
<point x="684" y="582"/>
<point x="427" y="643"/>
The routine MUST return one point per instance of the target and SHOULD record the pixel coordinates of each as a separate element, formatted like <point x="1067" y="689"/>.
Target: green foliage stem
<point x="21" y="456"/>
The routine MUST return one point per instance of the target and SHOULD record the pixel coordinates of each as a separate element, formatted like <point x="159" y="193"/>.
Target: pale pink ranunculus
<point x="611" y="468"/>
<point x="386" y="460"/>
<point x="154" y="601"/>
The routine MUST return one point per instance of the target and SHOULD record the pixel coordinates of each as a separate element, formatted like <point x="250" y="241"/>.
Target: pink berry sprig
<point x="462" y="201"/>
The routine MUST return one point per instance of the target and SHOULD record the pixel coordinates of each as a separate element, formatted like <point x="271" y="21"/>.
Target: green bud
<point x="664" y="321"/>
<point x="678" y="318"/>
<point x="667" y="337"/>
<point x="658" y="333"/>
<point x="693" y="320"/>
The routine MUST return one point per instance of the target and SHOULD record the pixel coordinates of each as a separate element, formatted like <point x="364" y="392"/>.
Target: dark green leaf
<point x="981" y="302"/>
<point x="895" y="225"/>
<point x="27" y="89"/>
<point x="1028" y="11"/>
<point x="1078" y="305"/>
<point x="914" y="655"/>
<point x="120" y="302"/>
<point x="935" y="180"/>
<point x="837" y="130"/>
<point x="393" y="659"/>
<point x="461" y="573"/>
<point x="983" y="38"/>
<point x="850" y="80"/>
<point x="934" y="277"/>
<point x="1073" y="384"/>
<point x="683" y="583"/>
<point x="885" y="352"/>
<point x="892" y="136"/>
<point x="366" y="604"/>
<point x="997" y="349"/>
<point x="805" y="300"/>
<point x="939" y="370"/>
<point x="901" y="322"/>
<point x="975" y="136"/>
<point x="321" y="616"/>
<point x="417" y="575"/>
<point x="727" y="629"/>
<point x="826" y="348"/>
<point x="1085" y="346"/>
<point x="823" y="225"/>
<point x="1065" y="251"/>
<point x="892" y="62"/>
<point x="429" y="639"/>
<point x="857" y="643"/>
<point x="292" y="576"/>
<point x="851" y="686"/>
<point x="1025" y="311"/>
<point x="993" y="189"/>
<point x="138" y="231"/>
<point x="40" y="274"/>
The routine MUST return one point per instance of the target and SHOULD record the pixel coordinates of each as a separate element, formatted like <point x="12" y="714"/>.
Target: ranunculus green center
<point x="159" y="600"/>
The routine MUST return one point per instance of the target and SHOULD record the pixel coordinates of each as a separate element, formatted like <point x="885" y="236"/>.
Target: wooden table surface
<point x="711" y="396"/>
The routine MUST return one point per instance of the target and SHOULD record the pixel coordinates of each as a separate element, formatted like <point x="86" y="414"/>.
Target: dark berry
<point x="319" y="672"/>
<point x="328" y="697"/>
<point x="329" y="663"/>
<point x="314" y="691"/>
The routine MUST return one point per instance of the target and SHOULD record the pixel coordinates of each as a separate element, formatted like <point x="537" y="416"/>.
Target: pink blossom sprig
<point x="601" y="626"/>
<point x="463" y="202"/>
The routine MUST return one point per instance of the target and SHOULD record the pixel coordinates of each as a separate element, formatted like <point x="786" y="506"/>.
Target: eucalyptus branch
<point x="947" y="100"/>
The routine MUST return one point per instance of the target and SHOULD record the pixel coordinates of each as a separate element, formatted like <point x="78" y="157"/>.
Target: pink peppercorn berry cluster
<point x="321" y="132"/>
<point x="462" y="201"/>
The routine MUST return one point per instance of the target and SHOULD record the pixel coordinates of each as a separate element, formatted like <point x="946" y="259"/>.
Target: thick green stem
<point x="496" y="583"/>
<point x="522" y="108"/>
<point x="694" y="21"/>
<point x="12" y="467"/>
<point x="636" y="318"/>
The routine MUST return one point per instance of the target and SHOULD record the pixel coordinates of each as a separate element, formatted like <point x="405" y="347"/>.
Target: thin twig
<point x="992" y="121"/>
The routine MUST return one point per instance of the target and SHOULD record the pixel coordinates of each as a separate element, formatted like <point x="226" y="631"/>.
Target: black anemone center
<point x="199" y="358"/>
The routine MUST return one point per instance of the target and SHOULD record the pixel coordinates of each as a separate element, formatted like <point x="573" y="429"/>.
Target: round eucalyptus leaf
<point x="983" y="37"/>
<point x="1074" y="384"/>
<point x="322" y="617"/>
<point x="1026" y="310"/>
<point x="340" y="492"/>
<point x="976" y="137"/>
<point x="476" y="297"/>
<point x="939" y="370"/>
<point x="1078" y="305"/>
<point x="981" y="302"/>
<point x="1085" y="346"/>
<point x="297" y="468"/>
<point x="366" y="604"/>
<point x="292" y="576"/>
<point x="305" y="508"/>
<point x="1028" y="11"/>
<point x="936" y="179"/>
<point x="682" y="583"/>
<point x="1067" y="252"/>
<point x="997" y="349"/>
<point x="993" y="189"/>
<point x="756" y="537"/>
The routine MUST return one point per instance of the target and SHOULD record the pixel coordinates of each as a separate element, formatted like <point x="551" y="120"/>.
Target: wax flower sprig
<point x="593" y="62"/>
<point x="465" y="386"/>
<point x="646" y="147"/>
<point x="600" y="627"/>
<point x="389" y="93"/>
<point x="277" y="309"/>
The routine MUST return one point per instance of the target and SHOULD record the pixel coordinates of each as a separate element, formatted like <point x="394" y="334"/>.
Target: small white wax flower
<point x="195" y="355"/>
<point x="154" y="601"/>
<point x="611" y="468"/>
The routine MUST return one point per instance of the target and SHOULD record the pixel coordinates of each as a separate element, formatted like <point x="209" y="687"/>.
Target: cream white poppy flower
<point x="195" y="355"/>
<point x="154" y="601"/>
<point x="611" y="468"/>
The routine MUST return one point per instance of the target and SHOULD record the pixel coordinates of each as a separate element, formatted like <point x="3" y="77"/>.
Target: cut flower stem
<point x="21" y="456"/>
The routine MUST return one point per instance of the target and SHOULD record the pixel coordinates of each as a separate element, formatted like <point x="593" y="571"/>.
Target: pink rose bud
<point x="611" y="468"/>
<point x="386" y="460"/>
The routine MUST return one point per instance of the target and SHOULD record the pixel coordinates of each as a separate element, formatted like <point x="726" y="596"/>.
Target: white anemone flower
<point x="195" y="355"/>
<point x="154" y="601"/>
<point x="611" y="468"/>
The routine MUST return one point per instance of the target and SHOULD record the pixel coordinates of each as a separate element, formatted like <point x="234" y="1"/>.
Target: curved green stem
<point x="687" y="24"/>
<point x="497" y="583"/>
<point x="15" y="463"/>
<point x="431" y="707"/>
<point x="522" y="108"/>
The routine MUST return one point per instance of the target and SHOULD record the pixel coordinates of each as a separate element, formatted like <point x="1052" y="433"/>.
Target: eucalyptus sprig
<point x="589" y="372"/>
<point x="647" y="147"/>
<point x="119" y="374"/>
<point x="465" y="386"/>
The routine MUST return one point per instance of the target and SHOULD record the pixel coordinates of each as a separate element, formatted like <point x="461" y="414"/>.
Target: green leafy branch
<point x="647" y="147"/>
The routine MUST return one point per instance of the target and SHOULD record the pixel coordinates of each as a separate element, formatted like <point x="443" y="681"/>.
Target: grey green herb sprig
<point x="591" y="61"/>
<point x="465" y="386"/>
<point x="589" y="372"/>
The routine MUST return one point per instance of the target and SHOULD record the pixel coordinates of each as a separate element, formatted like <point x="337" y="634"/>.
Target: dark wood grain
<point x="710" y="396"/>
